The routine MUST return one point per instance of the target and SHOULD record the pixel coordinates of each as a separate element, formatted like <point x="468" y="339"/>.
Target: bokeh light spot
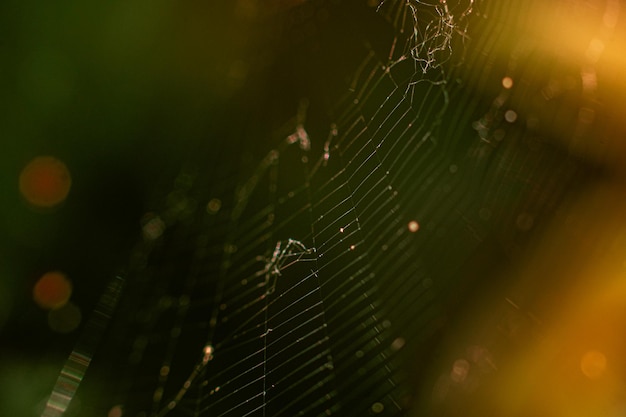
<point x="45" y="182"/>
<point x="398" y="343"/>
<point x="593" y="364"/>
<point x="152" y="226"/>
<point x="413" y="226"/>
<point x="65" y="319"/>
<point x="507" y="82"/>
<point x="214" y="206"/>
<point x="52" y="290"/>
<point x="378" y="408"/>
<point x="510" y="116"/>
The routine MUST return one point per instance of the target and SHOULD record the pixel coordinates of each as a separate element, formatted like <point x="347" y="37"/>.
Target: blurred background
<point x="102" y="103"/>
<point x="109" y="109"/>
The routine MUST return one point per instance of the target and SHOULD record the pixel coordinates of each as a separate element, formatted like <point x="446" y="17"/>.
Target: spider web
<point x="305" y="284"/>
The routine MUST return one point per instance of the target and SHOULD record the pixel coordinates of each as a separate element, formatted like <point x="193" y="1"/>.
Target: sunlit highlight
<point x="52" y="290"/>
<point x="45" y="182"/>
<point x="594" y="50"/>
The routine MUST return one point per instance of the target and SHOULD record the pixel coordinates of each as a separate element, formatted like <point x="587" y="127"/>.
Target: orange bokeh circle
<point x="45" y="182"/>
<point x="52" y="290"/>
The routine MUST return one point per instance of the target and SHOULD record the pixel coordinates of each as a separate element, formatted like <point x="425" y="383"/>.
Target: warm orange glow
<point x="574" y="365"/>
<point x="593" y="364"/>
<point x="45" y="182"/>
<point x="52" y="291"/>
<point x="413" y="226"/>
